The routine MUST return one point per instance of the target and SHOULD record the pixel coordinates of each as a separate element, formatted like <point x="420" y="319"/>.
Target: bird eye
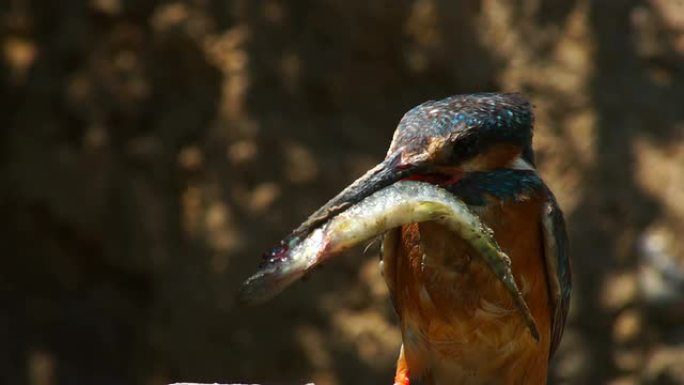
<point x="463" y="148"/>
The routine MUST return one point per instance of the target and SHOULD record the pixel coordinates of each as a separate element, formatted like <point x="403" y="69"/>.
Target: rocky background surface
<point x="151" y="150"/>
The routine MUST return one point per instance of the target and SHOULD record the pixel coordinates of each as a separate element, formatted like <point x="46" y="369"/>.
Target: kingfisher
<point x="460" y="323"/>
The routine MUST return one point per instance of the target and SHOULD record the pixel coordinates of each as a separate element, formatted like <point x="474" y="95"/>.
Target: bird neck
<point x="503" y="184"/>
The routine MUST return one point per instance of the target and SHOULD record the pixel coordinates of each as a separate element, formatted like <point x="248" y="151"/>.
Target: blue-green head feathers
<point x="476" y="120"/>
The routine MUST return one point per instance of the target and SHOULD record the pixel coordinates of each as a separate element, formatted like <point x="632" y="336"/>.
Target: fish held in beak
<point x="362" y="214"/>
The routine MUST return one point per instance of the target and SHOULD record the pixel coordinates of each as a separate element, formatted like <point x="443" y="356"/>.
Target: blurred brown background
<point x="151" y="150"/>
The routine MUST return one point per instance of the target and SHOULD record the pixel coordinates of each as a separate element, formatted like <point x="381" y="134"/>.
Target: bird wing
<point x="390" y="244"/>
<point x="557" y="266"/>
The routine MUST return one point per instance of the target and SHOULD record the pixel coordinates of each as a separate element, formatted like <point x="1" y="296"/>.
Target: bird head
<point x="440" y="141"/>
<point x="464" y="133"/>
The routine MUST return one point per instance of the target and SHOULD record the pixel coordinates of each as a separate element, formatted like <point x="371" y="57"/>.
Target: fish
<point x="398" y="204"/>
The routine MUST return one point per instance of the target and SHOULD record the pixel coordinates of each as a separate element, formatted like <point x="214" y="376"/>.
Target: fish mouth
<point x="364" y="211"/>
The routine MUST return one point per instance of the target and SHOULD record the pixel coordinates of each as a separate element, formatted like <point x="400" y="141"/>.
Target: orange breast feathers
<point x="459" y="324"/>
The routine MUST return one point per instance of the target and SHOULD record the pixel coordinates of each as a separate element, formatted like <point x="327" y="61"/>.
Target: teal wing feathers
<point x="390" y="244"/>
<point x="557" y="265"/>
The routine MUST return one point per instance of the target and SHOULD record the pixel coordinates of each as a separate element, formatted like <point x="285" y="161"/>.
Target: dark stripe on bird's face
<point x="503" y="184"/>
